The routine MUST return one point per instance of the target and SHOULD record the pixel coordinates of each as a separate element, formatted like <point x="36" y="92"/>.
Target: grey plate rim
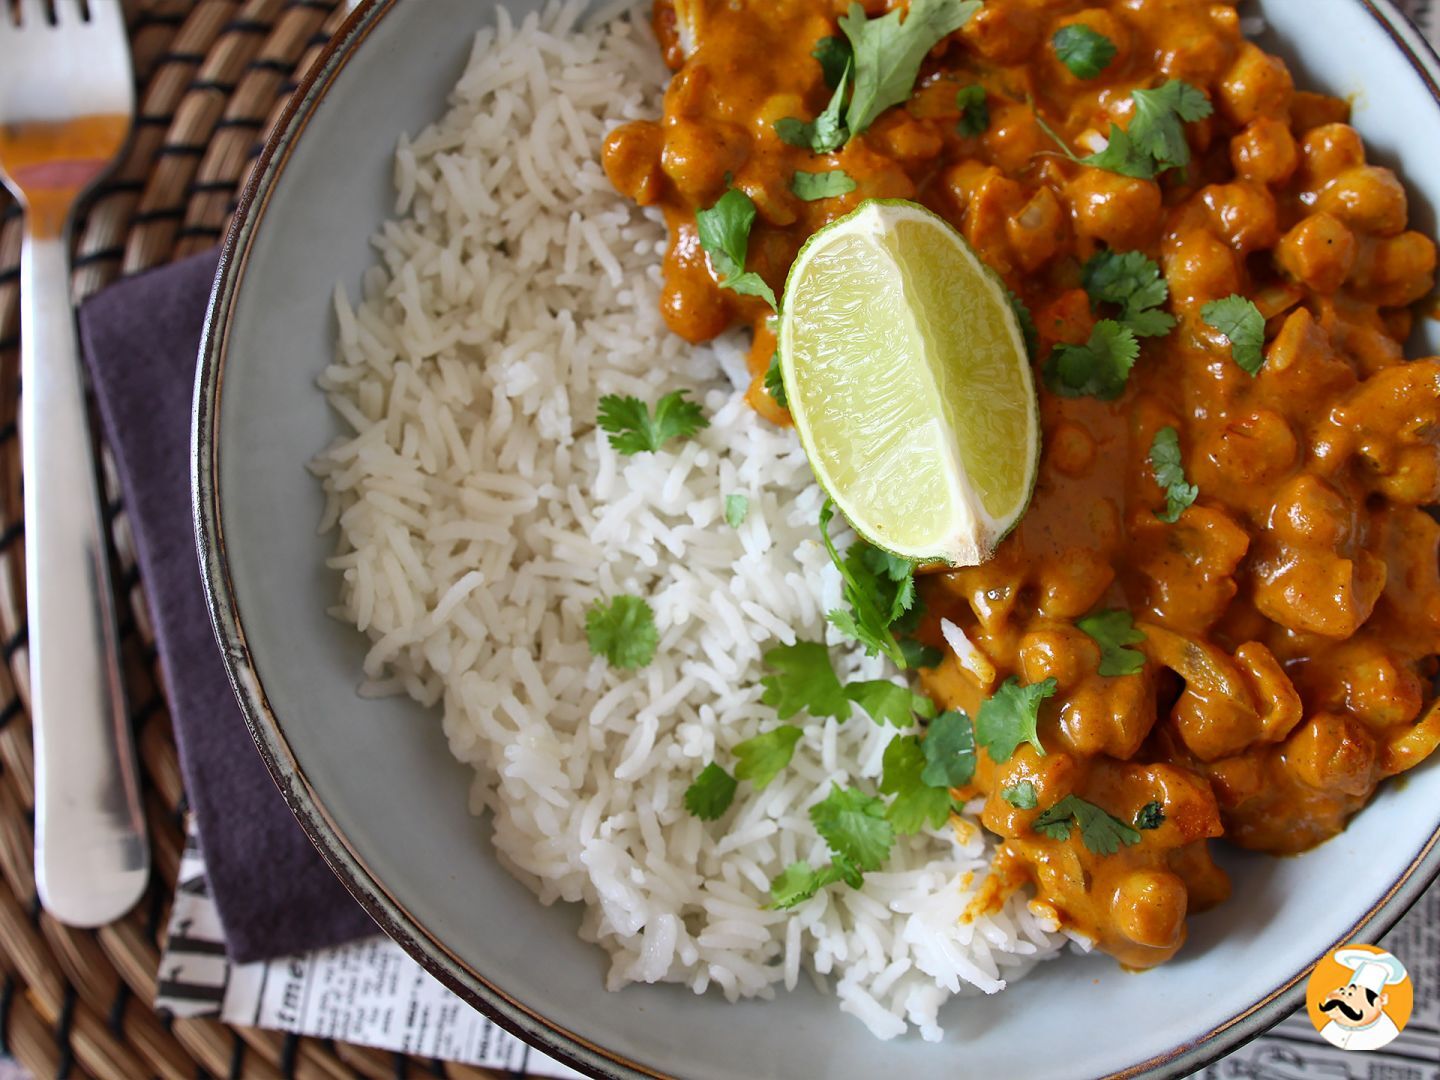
<point x="266" y="728"/>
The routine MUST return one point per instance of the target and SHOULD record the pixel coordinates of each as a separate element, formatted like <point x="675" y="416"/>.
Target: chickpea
<point x="1200" y="267"/>
<point x="1368" y="198"/>
<point x="1070" y="448"/>
<point x="1253" y="449"/>
<point x="1379" y="690"/>
<point x="1328" y="151"/>
<point x="1414" y="479"/>
<point x="1014" y="138"/>
<point x="632" y="161"/>
<point x="1395" y="271"/>
<point x="1309" y="110"/>
<point x="1318" y="252"/>
<point x="777" y="107"/>
<point x="1333" y="752"/>
<point x="907" y="139"/>
<point x="1243" y="215"/>
<point x="1194" y="53"/>
<point x="1003" y="33"/>
<point x="1308" y="512"/>
<point x="698" y="156"/>
<point x="1105" y="715"/>
<point x="1149" y="908"/>
<point x="1265" y="152"/>
<point x="1257" y="84"/>
<point x="1037" y="230"/>
<point x="963" y="179"/>
<point x="1062" y="653"/>
<point x="1073" y="583"/>
<point x="1119" y="210"/>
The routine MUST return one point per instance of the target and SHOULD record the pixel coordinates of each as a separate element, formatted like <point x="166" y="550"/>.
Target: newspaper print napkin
<point x="373" y="994"/>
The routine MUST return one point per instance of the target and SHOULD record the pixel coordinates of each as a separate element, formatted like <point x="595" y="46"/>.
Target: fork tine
<point x="108" y="15"/>
<point x="68" y="12"/>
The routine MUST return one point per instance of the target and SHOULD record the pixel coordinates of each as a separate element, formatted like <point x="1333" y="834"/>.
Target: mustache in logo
<point x="1345" y="1010"/>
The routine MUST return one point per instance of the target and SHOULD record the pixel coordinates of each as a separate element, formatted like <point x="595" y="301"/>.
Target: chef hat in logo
<point x="1373" y="971"/>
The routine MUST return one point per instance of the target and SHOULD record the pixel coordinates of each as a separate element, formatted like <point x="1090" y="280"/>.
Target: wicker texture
<point x="212" y="77"/>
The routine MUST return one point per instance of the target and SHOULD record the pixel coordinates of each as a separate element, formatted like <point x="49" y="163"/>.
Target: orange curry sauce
<point x="1292" y="614"/>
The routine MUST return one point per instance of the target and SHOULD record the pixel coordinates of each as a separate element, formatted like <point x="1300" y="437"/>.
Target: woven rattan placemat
<point x="212" y="76"/>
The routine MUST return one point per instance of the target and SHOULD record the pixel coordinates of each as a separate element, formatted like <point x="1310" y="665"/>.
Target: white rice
<point x="480" y="513"/>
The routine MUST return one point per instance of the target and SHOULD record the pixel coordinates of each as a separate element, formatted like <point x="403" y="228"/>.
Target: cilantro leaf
<point x="1112" y="630"/>
<point x="1099" y="368"/>
<point x="623" y="631"/>
<point x="632" y="430"/>
<point x="1132" y="280"/>
<point x="1084" y="51"/>
<point x="1100" y="831"/>
<point x="974" y="111"/>
<point x="1243" y="326"/>
<point x="725" y="235"/>
<point x="1170" y="474"/>
<point x="1155" y="140"/>
<point x="1150" y="816"/>
<point x="854" y="825"/>
<point x="918" y="655"/>
<point x="805" y="681"/>
<point x="737" y="507"/>
<point x="800" y="881"/>
<point x="813" y="186"/>
<point x="894" y="576"/>
<point x="890" y="49"/>
<point x="873" y="598"/>
<point x="886" y="702"/>
<point x="1027" y="324"/>
<point x="826" y="133"/>
<point x="1010" y="716"/>
<point x="760" y="759"/>
<point x="916" y="803"/>
<point x="1020" y="795"/>
<point x="711" y="794"/>
<point x="775" y="383"/>
<point x="835" y="56"/>
<point x="949" y="751"/>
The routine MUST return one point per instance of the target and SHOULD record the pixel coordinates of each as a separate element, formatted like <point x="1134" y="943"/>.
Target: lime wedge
<point x="909" y="384"/>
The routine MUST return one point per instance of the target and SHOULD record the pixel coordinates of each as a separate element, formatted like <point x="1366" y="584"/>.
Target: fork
<point x="66" y="101"/>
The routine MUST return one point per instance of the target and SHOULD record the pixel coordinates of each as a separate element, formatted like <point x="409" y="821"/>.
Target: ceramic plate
<point x="374" y="785"/>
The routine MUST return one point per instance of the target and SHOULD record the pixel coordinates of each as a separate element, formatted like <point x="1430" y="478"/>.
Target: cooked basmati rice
<point x="480" y="513"/>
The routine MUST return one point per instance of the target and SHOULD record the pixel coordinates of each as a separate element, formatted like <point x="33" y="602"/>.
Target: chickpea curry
<point x="1223" y="604"/>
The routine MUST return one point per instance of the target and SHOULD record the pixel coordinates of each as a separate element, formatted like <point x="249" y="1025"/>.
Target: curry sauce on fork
<point x="1291" y="613"/>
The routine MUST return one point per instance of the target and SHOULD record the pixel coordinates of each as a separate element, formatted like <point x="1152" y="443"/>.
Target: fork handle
<point x="92" y="859"/>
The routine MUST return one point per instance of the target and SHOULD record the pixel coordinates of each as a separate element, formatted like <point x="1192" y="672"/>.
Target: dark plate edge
<point x="266" y="730"/>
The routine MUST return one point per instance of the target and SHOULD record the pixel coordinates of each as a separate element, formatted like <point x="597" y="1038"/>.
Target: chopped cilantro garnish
<point x="918" y="655"/>
<point x="949" y="747"/>
<point x="916" y="803"/>
<point x="805" y="681"/>
<point x="855" y="826"/>
<point x="1099" y="368"/>
<point x="1113" y="630"/>
<point x="974" y="108"/>
<point x="760" y="759"/>
<point x="1132" y="280"/>
<point x="886" y="702"/>
<point x="1243" y="325"/>
<point x="800" y="881"/>
<point x="774" y="383"/>
<point x="633" y="430"/>
<point x="1101" y="832"/>
<point x="1084" y="51"/>
<point x="875" y="597"/>
<point x="737" y="507"/>
<point x="1155" y="140"/>
<point x="725" y="235"/>
<point x="826" y="133"/>
<point x="1020" y="795"/>
<point x="1010" y="716"/>
<point x="812" y="186"/>
<point x="623" y="631"/>
<point x="834" y="55"/>
<point x="889" y="50"/>
<point x="1170" y="474"/>
<point x="1027" y="324"/>
<point x="711" y="794"/>
<point x="1150" y="816"/>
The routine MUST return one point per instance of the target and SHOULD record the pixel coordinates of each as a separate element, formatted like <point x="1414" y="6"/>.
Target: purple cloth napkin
<point x="274" y="893"/>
